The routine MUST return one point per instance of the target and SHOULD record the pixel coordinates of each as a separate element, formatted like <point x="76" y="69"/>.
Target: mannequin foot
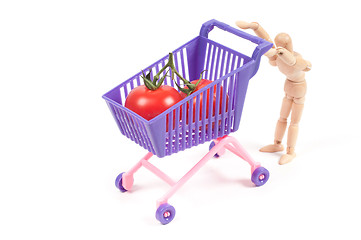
<point x="272" y="148"/>
<point x="286" y="158"/>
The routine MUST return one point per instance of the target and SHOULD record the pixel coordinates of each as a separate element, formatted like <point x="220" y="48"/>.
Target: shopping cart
<point x="175" y="130"/>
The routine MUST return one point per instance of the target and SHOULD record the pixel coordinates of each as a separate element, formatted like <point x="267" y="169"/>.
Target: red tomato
<point x="201" y="84"/>
<point x="150" y="103"/>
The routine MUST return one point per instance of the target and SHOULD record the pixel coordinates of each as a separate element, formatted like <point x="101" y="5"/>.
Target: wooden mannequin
<point x="294" y="67"/>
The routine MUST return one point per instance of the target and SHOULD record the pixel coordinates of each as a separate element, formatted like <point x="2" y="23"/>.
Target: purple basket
<point x="227" y="68"/>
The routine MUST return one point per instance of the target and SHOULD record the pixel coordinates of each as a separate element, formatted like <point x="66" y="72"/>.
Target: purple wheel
<point x="119" y="183"/>
<point x="165" y="213"/>
<point x="211" y="146"/>
<point x="260" y="176"/>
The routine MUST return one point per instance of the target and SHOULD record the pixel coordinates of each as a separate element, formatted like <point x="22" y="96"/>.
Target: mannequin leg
<point x="297" y="110"/>
<point x="280" y="127"/>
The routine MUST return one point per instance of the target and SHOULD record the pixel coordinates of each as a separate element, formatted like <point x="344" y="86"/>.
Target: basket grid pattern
<point x="184" y="130"/>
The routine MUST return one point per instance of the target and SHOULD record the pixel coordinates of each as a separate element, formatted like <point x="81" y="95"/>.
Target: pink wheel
<point x="165" y="213"/>
<point x="119" y="182"/>
<point x="260" y="176"/>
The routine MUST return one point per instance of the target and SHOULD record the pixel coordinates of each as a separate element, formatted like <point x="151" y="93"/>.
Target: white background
<point x="60" y="149"/>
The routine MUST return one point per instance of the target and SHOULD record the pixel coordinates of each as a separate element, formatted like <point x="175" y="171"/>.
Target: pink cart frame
<point x="125" y="182"/>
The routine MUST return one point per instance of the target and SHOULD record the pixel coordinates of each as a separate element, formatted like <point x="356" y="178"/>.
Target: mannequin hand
<point x="308" y="66"/>
<point x="270" y="53"/>
<point x="247" y="25"/>
<point x="286" y="56"/>
<point x="280" y="50"/>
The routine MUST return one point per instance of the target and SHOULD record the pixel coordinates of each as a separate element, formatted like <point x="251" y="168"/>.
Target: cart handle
<point x="263" y="45"/>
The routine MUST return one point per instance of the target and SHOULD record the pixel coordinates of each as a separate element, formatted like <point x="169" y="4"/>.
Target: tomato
<point x="200" y="85"/>
<point x="150" y="103"/>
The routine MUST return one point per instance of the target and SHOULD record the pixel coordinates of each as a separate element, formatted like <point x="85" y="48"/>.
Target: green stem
<point x="156" y="77"/>
<point x="171" y="65"/>
<point x="176" y="72"/>
<point x="152" y="85"/>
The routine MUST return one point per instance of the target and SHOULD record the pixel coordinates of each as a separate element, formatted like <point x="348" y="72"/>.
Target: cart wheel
<point x="119" y="183"/>
<point x="165" y="213"/>
<point x="260" y="176"/>
<point x="211" y="146"/>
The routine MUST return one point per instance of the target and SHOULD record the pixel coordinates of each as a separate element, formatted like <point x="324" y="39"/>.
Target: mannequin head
<point x="284" y="40"/>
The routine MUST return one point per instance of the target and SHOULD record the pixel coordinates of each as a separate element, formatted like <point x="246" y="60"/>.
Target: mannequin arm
<point x="260" y="32"/>
<point x="293" y="59"/>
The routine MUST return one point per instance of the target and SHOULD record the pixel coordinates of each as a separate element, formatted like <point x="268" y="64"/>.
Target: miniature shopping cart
<point x="175" y="130"/>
